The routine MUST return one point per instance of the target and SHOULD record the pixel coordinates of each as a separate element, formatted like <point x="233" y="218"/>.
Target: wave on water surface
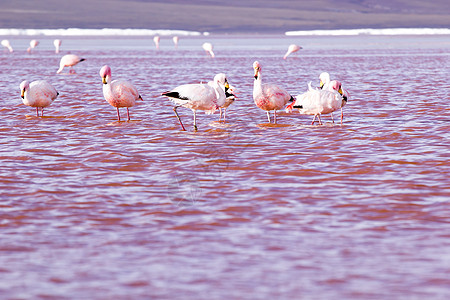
<point x="370" y="31"/>
<point x="98" y="32"/>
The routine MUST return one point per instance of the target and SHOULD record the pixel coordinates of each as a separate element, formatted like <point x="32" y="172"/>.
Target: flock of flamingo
<point x="208" y="97"/>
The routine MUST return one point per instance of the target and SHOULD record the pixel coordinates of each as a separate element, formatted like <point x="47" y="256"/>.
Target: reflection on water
<point x="95" y="208"/>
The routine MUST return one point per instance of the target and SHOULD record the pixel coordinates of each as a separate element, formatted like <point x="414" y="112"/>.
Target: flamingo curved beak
<point x="256" y="73"/>
<point x="22" y="94"/>
<point x="104" y="80"/>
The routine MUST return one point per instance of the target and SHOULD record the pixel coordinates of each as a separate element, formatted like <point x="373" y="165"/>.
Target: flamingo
<point x="325" y="85"/>
<point x="208" y="47"/>
<point x="230" y="97"/>
<point x="69" y="60"/>
<point x="208" y="97"/>
<point x="319" y="102"/>
<point x="156" y="41"/>
<point x="38" y="94"/>
<point x="7" y="45"/>
<point x="175" y="40"/>
<point x="118" y="93"/>
<point x="57" y="44"/>
<point x="33" y="44"/>
<point x="291" y="49"/>
<point x="269" y="96"/>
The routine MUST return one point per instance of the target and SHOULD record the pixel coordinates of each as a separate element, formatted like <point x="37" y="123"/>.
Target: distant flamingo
<point x="230" y="97"/>
<point x="175" y="40"/>
<point x="269" y="96"/>
<point x="291" y="49"/>
<point x="208" y="47"/>
<point x="319" y="102"/>
<point x="156" y="41"/>
<point x="38" y="94"/>
<point x="57" y="44"/>
<point x="33" y="44"/>
<point x="69" y="60"/>
<point x="208" y="97"/>
<point x="7" y="45"/>
<point x="118" y="93"/>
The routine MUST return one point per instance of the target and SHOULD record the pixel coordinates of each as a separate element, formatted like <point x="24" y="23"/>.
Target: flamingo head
<point x="24" y="85"/>
<point x="221" y="79"/>
<point x="257" y="67"/>
<point x="105" y="71"/>
<point x="324" y="79"/>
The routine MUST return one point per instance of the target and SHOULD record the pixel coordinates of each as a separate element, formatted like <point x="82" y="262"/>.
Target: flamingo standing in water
<point x="57" y="44"/>
<point x="175" y="40"/>
<point x="291" y="49"/>
<point x="230" y="97"/>
<point x="208" y="47"/>
<point x="33" y="44"/>
<point x="269" y="96"/>
<point x="69" y="60"/>
<point x="156" y="41"/>
<point x="7" y="45"/>
<point x="325" y="84"/>
<point x="321" y="101"/>
<point x="118" y="93"/>
<point x="38" y="94"/>
<point x="208" y="97"/>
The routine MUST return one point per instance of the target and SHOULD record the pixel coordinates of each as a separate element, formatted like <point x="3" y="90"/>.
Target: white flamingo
<point x="291" y="49"/>
<point x="229" y="99"/>
<point x="69" y="60"/>
<point x="156" y="40"/>
<point x="175" y="40"/>
<point x="33" y="44"/>
<point x="7" y="45"/>
<point x="207" y="97"/>
<point x="57" y="44"/>
<point x="118" y="93"/>
<point x="39" y="94"/>
<point x="208" y="47"/>
<point x="269" y="96"/>
<point x="320" y="102"/>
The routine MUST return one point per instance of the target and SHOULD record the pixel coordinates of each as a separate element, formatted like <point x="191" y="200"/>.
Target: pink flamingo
<point x="38" y="94"/>
<point x="57" y="44"/>
<point x="208" y="47"/>
<point x="69" y="60"/>
<point x="291" y="49"/>
<point x="118" y="93"/>
<point x="7" y="45"/>
<point x="269" y="96"/>
<point x="156" y="41"/>
<point x="175" y="40"/>
<point x="33" y="44"/>
<point x="318" y="102"/>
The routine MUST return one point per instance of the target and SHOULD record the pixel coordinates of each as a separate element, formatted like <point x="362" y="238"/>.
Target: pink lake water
<point x="93" y="208"/>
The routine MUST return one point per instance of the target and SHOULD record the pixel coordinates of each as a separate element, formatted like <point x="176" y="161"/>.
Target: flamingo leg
<point x="320" y="121"/>
<point x="342" y="115"/>
<point x="274" y="117"/>
<point x="312" y="123"/>
<point x="195" y="122"/>
<point x="224" y="114"/>
<point x="37" y="111"/>
<point x="128" y="114"/>
<point x="118" y="115"/>
<point x="175" y="110"/>
<point x="268" y="116"/>
<point x="220" y="113"/>
<point x="332" y="119"/>
<point x="42" y="111"/>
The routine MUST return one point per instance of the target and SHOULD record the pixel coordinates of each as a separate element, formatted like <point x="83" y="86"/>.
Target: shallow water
<point x="100" y="209"/>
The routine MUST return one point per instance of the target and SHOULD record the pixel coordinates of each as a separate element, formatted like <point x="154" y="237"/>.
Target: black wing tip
<point x="298" y="106"/>
<point x="292" y="99"/>
<point x="174" y="95"/>
<point x="83" y="59"/>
